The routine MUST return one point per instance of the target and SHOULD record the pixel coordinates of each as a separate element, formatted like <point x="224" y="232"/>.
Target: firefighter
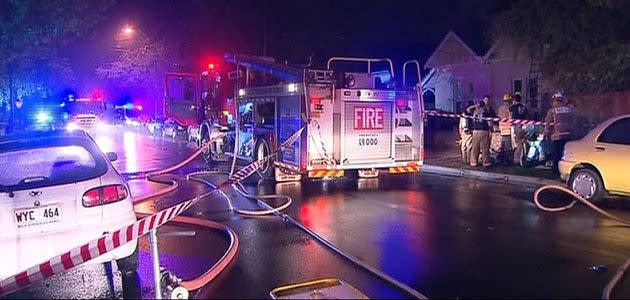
<point x="518" y="111"/>
<point x="465" y="132"/>
<point x="480" y="141"/>
<point x="560" y="132"/>
<point x="505" y="152"/>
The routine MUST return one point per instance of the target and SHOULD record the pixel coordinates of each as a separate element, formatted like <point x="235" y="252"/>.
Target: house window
<point x="517" y="85"/>
<point x="458" y="91"/>
<point x="469" y="92"/>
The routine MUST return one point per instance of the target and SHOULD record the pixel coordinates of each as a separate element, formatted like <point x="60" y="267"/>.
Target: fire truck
<point x="359" y="121"/>
<point x="85" y="113"/>
<point x="194" y="101"/>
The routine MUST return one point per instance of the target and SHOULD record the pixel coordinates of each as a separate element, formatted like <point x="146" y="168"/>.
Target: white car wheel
<point x="587" y="184"/>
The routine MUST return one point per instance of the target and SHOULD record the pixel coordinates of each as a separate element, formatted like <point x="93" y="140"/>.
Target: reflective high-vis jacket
<point x="563" y="120"/>
<point x="504" y="112"/>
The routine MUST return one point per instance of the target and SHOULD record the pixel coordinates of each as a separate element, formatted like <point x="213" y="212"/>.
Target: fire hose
<point x="171" y="186"/>
<point x="617" y="277"/>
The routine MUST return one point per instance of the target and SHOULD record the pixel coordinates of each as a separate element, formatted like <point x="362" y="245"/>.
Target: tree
<point x="582" y="46"/>
<point x="33" y="36"/>
<point x="136" y="66"/>
<point x="139" y="67"/>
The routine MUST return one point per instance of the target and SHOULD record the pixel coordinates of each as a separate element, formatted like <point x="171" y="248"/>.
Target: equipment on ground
<point x="329" y="288"/>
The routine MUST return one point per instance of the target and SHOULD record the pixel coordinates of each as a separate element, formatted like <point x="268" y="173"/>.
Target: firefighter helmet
<point x="558" y="97"/>
<point x="507" y="97"/>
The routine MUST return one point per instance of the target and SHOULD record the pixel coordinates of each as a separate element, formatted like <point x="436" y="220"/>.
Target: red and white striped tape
<point x="92" y="249"/>
<point x="111" y="241"/>
<point x="287" y="168"/>
<point x="501" y="120"/>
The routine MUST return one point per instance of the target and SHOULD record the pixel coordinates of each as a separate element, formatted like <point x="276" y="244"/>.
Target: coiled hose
<point x="617" y="277"/>
<point x="172" y="185"/>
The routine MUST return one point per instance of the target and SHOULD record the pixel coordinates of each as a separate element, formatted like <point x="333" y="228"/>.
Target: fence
<point x="599" y="107"/>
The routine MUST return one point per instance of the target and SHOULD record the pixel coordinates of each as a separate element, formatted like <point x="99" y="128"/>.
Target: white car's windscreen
<point x="59" y="164"/>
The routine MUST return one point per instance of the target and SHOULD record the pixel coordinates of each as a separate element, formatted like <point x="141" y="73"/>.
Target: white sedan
<point x="58" y="191"/>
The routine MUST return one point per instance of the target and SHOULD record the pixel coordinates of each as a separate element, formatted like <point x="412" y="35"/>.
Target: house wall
<point x="502" y="74"/>
<point x="475" y="75"/>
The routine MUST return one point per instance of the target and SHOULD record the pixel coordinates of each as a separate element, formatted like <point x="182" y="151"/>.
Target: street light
<point x="128" y="30"/>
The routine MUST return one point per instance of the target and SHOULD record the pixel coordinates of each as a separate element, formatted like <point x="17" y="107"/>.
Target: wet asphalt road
<point x="443" y="236"/>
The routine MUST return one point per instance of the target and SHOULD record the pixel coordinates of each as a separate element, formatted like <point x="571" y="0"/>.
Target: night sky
<point x="195" y="30"/>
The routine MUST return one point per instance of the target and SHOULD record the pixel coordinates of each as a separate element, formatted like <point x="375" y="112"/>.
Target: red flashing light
<point x="211" y="66"/>
<point x="401" y="103"/>
<point x="316" y="101"/>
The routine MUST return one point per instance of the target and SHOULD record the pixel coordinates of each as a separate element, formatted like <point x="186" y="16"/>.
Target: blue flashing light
<point x="42" y="117"/>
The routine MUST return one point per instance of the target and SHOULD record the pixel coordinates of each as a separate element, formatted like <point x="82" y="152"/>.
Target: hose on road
<point x="240" y="189"/>
<point x="617" y="277"/>
<point x="577" y="198"/>
<point x="172" y="185"/>
<point x="271" y="210"/>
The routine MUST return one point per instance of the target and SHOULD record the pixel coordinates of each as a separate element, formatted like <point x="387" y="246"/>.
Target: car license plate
<point x="34" y="216"/>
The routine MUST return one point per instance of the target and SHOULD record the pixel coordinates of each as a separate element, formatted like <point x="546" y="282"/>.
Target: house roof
<point x="452" y="50"/>
<point x="503" y="49"/>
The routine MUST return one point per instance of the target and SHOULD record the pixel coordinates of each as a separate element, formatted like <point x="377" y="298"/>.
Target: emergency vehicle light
<point x="401" y="103"/>
<point x="241" y="92"/>
<point x="292" y="87"/>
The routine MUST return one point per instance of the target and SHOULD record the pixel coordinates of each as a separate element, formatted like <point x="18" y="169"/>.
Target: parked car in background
<point x="598" y="163"/>
<point x="58" y="191"/>
<point x="173" y="129"/>
<point x="155" y="125"/>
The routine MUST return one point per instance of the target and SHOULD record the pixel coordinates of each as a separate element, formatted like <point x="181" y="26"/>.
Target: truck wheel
<point x="208" y="156"/>
<point x="262" y="150"/>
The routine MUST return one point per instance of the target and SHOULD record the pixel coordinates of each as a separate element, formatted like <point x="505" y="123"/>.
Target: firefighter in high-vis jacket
<point x="505" y="129"/>
<point x="518" y="111"/>
<point x="480" y="129"/>
<point x="465" y="132"/>
<point x="562" y="117"/>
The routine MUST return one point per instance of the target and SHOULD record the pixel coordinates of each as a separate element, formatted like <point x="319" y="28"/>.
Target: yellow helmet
<point x="507" y="97"/>
<point x="518" y="93"/>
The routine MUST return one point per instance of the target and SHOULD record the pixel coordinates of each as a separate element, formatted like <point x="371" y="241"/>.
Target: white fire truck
<point x="354" y="121"/>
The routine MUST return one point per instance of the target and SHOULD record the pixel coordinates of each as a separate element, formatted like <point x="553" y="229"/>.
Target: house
<point x="456" y="75"/>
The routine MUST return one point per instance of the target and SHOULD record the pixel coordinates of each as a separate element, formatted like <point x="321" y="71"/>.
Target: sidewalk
<point x="447" y="160"/>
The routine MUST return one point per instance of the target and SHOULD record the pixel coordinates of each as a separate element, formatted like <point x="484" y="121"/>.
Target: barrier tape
<point x="501" y="120"/>
<point x="108" y="242"/>
<point x="287" y="168"/>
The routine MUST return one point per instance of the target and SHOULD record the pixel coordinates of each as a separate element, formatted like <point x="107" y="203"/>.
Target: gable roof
<point x="504" y="49"/>
<point x="452" y="50"/>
